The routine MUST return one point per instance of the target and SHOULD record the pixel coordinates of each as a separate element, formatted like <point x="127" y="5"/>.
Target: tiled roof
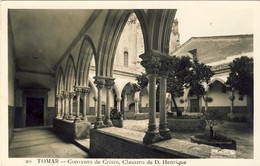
<point x="216" y="48"/>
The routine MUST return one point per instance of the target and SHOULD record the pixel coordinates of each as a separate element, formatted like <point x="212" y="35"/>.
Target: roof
<point x="215" y="48"/>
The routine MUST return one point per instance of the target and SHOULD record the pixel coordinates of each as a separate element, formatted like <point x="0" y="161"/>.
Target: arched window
<point x="126" y="59"/>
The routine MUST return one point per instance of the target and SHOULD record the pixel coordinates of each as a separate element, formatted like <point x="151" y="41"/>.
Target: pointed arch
<point x="70" y="74"/>
<point x="92" y="86"/>
<point x="60" y="81"/>
<point x="141" y="16"/>
<point x="214" y="81"/>
<point x="160" y="23"/>
<point x="87" y="51"/>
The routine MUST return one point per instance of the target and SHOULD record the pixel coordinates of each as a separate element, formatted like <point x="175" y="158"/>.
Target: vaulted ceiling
<point x="41" y="37"/>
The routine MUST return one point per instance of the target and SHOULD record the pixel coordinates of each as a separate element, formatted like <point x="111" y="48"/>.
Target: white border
<point x="5" y="5"/>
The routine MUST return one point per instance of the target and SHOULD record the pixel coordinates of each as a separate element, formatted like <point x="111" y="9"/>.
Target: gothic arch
<point x="213" y="81"/>
<point x="70" y="74"/>
<point x="87" y="51"/>
<point x="160" y="23"/>
<point x="60" y="81"/>
<point x="112" y="30"/>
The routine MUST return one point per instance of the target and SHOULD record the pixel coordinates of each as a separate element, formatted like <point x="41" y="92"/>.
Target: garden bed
<point x="218" y="140"/>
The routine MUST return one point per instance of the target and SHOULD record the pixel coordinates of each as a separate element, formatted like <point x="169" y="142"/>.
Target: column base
<point x="166" y="134"/>
<point x="84" y="119"/>
<point x="108" y="123"/>
<point x="77" y="120"/>
<point x="99" y="124"/>
<point x="71" y="117"/>
<point x="65" y="116"/>
<point x="152" y="137"/>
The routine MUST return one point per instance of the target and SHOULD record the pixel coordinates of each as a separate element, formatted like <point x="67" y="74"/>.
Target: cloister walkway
<point x="42" y="142"/>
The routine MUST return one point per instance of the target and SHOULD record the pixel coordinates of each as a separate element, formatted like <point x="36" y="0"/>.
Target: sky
<point x="214" y="21"/>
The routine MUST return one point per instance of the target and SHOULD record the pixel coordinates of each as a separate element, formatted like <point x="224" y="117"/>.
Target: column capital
<point x="86" y="90"/>
<point x="99" y="81"/>
<point x="59" y="96"/>
<point x="164" y="68"/>
<point x="71" y="95"/>
<point x="109" y="83"/>
<point x="77" y="90"/>
<point x="65" y="94"/>
<point x="152" y="61"/>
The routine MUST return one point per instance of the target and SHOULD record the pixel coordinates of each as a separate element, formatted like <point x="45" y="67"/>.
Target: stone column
<point x="118" y="100"/>
<point x="152" y="64"/>
<point x="95" y="104"/>
<point x="99" y="84"/>
<point x="108" y="85"/>
<point x="85" y="92"/>
<point x="78" y="91"/>
<point x="163" y="128"/>
<point x="59" y="105"/>
<point x="206" y="99"/>
<point x="66" y="103"/>
<point x="232" y="98"/>
<point x="137" y="106"/>
<point x="62" y="105"/>
<point x="136" y="99"/>
<point x="71" y="96"/>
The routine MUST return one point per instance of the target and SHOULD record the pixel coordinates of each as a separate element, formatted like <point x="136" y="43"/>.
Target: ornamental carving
<point x="71" y="95"/>
<point x="65" y="94"/>
<point x="164" y="67"/>
<point x="99" y="81"/>
<point x="109" y="83"/>
<point x="151" y="64"/>
<point x="86" y="90"/>
<point x="77" y="90"/>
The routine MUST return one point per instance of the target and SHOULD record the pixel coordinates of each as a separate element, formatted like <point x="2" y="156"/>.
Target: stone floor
<point x="42" y="142"/>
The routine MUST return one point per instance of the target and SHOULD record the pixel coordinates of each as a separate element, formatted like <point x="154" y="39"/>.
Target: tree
<point x="182" y="73"/>
<point x="241" y="78"/>
<point x="201" y="75"/>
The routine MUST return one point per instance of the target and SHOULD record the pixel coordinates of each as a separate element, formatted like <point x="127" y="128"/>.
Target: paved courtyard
<point x="238" y="131"/>
<point x="42" y="142"/>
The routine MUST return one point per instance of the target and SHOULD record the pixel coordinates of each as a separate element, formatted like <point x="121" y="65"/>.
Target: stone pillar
<point x="151" y="63"/>
<point x="59" y="105"/>
<point x="232" y="98"/>
<point x="118" y="100"/>
<point x="136" y="99"/>
<point x="85" y="92"/>
<point x="99" y="84"/>
<point x="66" y="104"/>
<point x="206" y="99"/>
<point x="163" y="128"/>
<point x="62" y="105"/>
<point x="108" y="85"/>
<point x="78" y="91"/>
<point x="71" y="96"/>
<point x="137" y="106"/>
<point x="95" y="105"/>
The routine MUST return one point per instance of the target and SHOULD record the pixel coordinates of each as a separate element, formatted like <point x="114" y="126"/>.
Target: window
<point x="126" y="59"/>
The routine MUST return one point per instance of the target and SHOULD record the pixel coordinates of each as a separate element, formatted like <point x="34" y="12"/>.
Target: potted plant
<point x="116" y="118"/>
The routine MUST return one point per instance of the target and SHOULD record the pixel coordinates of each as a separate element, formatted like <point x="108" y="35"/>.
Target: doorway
<point x="194" y="105"/>
<point x="34" y="112"/>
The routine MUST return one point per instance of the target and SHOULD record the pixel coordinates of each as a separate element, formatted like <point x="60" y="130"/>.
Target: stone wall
<point x="115" y="142"/>
<point x="70" y="129"/>
<point x="186" y="124"/>
<point x="11" y="118"/>
<point x="106" y="145"/>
